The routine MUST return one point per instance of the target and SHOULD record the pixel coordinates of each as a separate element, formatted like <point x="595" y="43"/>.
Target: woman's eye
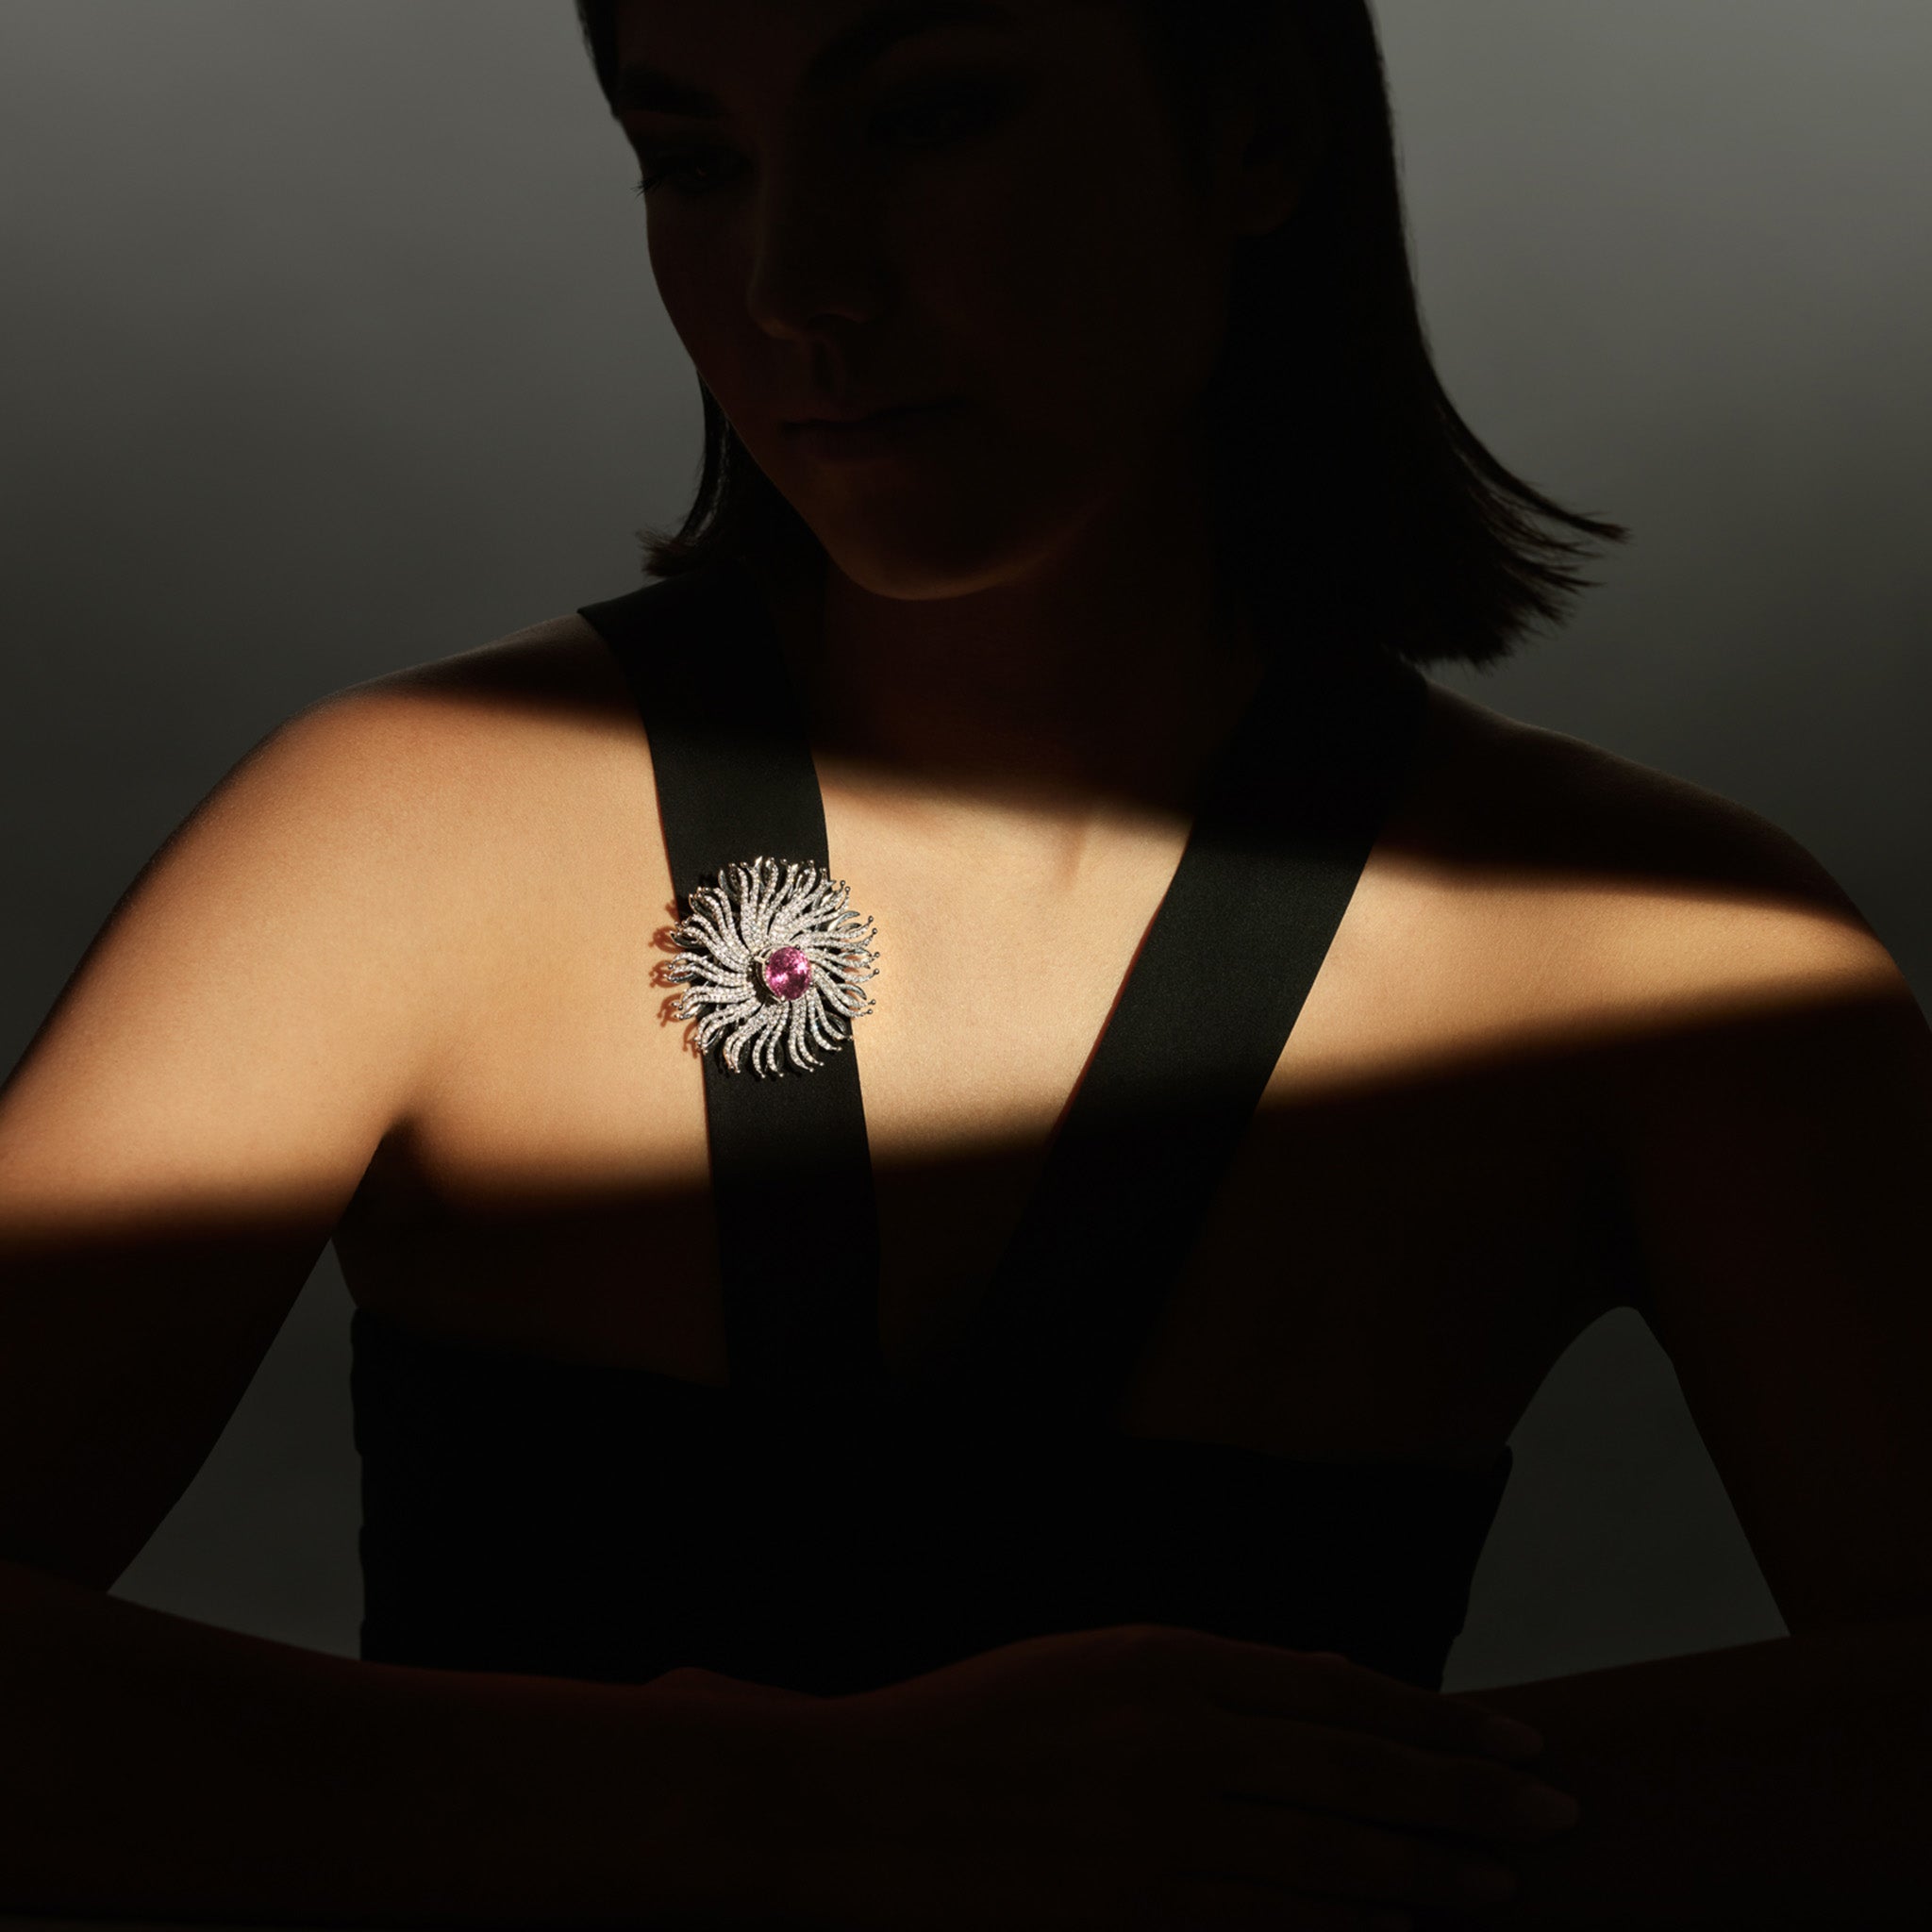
<point x="928" y="120"/>
<point x="677" y="170"/>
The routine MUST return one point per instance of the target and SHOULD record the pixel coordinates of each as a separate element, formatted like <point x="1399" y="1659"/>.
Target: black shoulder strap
<point x="792" y="1179"/>
<point x="1288" y="818"/>
<point x="1289" y="813"/>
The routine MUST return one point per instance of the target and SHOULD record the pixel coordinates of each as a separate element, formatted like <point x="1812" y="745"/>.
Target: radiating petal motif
<point x="735" y="928"/>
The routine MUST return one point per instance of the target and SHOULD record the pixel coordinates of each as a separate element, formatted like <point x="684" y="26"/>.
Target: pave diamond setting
<point x="770" y="957"/>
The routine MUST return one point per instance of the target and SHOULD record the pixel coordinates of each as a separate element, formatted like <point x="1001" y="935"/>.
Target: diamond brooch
<point x="769" y="960"/>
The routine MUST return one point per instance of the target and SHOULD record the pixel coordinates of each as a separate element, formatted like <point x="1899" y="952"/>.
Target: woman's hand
<point x="1150" y="1779"/>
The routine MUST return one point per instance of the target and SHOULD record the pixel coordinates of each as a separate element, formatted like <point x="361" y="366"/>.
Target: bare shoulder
<point x="554" y="675"/>
<point x="321" y="924"/>
<point x="484" y="745"/>
<point x="360" y="822"/>
<point x="510" y="756"/>
<point x="1634" y="889"/>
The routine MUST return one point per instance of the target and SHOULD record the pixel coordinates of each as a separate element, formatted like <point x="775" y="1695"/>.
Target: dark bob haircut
<point x="1350" y="497"/>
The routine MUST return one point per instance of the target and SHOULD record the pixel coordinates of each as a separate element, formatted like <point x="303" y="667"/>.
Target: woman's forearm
<point x="1784" y="1784"/>
<point x="154" y="1766"/>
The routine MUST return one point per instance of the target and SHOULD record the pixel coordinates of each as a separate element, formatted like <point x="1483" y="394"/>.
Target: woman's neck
<point x="1075" y="692"/>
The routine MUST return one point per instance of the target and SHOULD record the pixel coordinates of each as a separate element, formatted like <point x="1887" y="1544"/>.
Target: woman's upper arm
<point x="1774" y="1123"/>
<point x="197" y="1109"/>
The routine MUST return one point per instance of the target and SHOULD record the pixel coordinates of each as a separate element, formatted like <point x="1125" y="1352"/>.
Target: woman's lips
<point x="885" y="433"/>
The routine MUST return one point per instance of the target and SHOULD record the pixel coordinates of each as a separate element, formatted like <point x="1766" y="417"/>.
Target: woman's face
<point x="981" y="203"/>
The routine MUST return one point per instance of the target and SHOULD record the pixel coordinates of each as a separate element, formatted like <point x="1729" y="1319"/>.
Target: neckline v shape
<point x="1290" y="809"/>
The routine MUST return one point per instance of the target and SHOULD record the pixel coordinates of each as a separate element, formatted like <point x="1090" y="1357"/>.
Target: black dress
<point x="818" y="1523"/>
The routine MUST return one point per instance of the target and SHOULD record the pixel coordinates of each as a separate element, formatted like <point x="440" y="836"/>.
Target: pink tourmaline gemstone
<point x="788" y="973"/>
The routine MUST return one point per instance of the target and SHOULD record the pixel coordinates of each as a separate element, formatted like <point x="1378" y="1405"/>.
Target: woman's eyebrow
<point x="846" y="55"/>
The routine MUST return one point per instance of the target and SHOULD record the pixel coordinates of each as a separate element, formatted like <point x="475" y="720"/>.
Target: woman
<point x="1039" y="1488"/>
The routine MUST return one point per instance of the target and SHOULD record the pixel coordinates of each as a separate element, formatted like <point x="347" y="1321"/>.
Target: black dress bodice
<point x="581" y="1521"/>
<point x="818" y="1523"/>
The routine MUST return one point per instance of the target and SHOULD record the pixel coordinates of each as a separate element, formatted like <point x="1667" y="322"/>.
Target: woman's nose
<point x="817" y="252"/>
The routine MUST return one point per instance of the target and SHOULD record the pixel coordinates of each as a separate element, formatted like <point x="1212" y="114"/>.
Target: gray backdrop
<point x="329" y="345"/>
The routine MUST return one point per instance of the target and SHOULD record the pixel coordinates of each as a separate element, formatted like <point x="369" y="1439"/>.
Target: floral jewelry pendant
<point x="770" y="959"/>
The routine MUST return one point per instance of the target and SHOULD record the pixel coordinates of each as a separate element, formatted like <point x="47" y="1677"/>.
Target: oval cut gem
<point x="786" y="971"/>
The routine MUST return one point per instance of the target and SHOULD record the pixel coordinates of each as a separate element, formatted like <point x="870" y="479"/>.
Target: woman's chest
<point x="1410" y="1232"/>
